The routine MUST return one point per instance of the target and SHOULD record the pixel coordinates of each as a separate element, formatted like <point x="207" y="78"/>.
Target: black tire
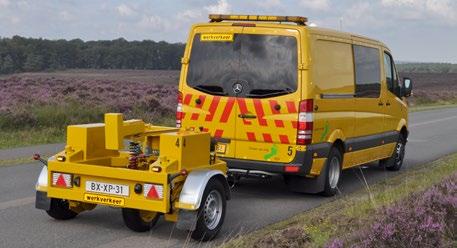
<point x="60" y="210"/>
<point x="395" y="162"/>
<point x="134" y="221"/>
<point x="205" y="231"/>
<point x="333" y="165"/>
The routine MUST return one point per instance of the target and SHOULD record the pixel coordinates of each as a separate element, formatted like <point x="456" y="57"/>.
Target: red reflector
<point x="61" y="181"/>
<point x="291" y="168"/>
<point x="153" y="193"/>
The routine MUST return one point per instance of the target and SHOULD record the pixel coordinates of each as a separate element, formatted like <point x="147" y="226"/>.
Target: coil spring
<point x="135" y="151"/>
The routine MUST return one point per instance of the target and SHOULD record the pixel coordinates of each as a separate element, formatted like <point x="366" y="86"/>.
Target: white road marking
<point x="17" y="202"/>
<point x="432" y="121"/>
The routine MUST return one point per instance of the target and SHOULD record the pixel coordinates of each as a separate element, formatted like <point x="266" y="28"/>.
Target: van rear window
<point x="265" y="65"/>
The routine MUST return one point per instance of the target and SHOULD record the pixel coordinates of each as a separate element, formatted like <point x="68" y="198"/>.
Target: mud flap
<point x="42" y="201"/>
<point x="187" y="220"/>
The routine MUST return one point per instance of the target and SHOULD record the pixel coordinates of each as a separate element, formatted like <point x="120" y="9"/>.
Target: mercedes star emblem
<point x="237" y="88"/>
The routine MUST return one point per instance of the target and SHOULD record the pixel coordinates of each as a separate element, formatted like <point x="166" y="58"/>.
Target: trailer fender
<point x="42" y="182"/>
<point x="194" y="186"/>
<point x="191" y="196"/>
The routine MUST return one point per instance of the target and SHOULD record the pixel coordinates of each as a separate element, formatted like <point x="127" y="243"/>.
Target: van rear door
<point x="213" y="67"/>
<point x="267" y="94"/>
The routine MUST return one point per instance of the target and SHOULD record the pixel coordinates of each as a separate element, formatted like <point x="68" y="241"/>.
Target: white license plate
<point x="107" y="188"/>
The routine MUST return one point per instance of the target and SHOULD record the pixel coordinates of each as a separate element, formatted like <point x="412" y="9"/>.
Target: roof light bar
<point x="300" y="20"/>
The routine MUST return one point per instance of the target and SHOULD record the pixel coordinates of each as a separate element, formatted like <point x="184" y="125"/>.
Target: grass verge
<point x="16" y="161"/>
<point x="431" y="107"/>
<point x="31" y="136"/>
<point x="348" y="213"/>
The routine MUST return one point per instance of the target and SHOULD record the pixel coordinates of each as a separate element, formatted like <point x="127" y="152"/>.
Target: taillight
<point x="179" y="113"/>
<point x="305" y="122"/>
<point x="153" y="191"/>
<point x="61" y="180"/>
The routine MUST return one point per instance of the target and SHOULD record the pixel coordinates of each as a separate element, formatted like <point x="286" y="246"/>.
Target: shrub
<point x="425" y="219"/>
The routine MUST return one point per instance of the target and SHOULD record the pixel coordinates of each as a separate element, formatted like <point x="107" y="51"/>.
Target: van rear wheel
<point x="333" y="172"/>
<point x="139" y="220"/>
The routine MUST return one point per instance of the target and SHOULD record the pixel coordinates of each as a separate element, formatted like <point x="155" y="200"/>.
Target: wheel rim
<point x="147" y="216"/>
<point x="334" y="172"/>
<point x="212" y="210"/>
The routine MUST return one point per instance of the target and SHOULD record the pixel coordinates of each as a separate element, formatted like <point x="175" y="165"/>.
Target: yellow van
<point x="282" y="97"/>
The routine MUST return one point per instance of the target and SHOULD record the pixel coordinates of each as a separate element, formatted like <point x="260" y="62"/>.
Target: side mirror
<point x="407" y="87"/>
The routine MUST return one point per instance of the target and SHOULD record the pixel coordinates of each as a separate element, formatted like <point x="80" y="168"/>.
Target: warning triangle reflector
<point x="153" y="193"/>
<point x="61" y="181"/>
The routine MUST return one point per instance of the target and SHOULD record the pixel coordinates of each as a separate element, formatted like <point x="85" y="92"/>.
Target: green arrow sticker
<point x="272" y="153"/>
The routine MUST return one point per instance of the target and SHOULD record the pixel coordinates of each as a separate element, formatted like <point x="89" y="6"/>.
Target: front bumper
<point x="303" y="159"/>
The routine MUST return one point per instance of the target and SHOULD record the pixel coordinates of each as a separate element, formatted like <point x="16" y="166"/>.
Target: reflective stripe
<point x="273" y="103"/>
<point x="291" y="107"/>
<point x="259" y="112"/>
<point x="243" y="109"/>
<point x="218" y="133"/>
<point x="212" y="108"/>
<point x="195" y="116"/>
<point x="187" y="99"/>
<point x="251" y="136"/>
<point x="284" y="139"/>
<point x="227" y="110"/>
<point x="267" y="138"/>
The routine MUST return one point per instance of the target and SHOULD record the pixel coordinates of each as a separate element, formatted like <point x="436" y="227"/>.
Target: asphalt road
<point x="255" y="203"/>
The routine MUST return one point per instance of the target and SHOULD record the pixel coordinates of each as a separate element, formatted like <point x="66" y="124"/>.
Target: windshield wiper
<point x="268" y="93"/>
<point x="211" y="89"/>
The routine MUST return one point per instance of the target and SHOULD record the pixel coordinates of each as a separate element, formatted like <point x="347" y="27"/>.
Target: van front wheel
<point x="395" y="162"/>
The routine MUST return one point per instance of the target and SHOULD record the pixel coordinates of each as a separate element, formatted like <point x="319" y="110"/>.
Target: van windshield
<point x="265" y="65"/>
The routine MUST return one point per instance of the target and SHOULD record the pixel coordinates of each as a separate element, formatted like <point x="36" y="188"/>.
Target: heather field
<point x="416" y="208"/>
<point x="36" y="107"/>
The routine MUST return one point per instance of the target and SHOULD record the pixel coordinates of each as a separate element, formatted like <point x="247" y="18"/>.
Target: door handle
<point x="380" y="104"/>
<point x="247" y="116"/>
<point x="387" y="103"/>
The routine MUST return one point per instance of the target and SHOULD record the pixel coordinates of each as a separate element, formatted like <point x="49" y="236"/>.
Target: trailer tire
<point x="135" y="220"/>
<point x="60" y="210"/>
<point x="211" y="213"/>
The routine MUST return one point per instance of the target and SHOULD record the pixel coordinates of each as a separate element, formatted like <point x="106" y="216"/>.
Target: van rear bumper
<point x="302" y="159"/>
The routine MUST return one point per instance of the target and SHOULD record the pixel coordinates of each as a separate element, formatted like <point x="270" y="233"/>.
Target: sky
<point x="415" y="30"/>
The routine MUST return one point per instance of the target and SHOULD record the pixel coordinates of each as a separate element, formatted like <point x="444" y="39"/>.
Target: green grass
<point x="351" y="212"/>
<point x="31" y="136"/>
<point x="46" y="124"/>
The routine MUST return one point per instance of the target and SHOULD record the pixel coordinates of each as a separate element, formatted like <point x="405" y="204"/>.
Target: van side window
<point x="367" y="72"/>
<point x="391" y="75"/>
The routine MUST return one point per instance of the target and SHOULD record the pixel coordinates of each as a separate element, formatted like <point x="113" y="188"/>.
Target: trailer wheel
<point x="211" y="213"/>
<point x="60" y="210"/>
<point x="395" y="162"/>
<point x="333" y="172"/>
<point x="139" y="220"/>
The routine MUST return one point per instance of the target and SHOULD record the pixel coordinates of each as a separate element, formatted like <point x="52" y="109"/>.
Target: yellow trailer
<point x="163" y="171"/>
